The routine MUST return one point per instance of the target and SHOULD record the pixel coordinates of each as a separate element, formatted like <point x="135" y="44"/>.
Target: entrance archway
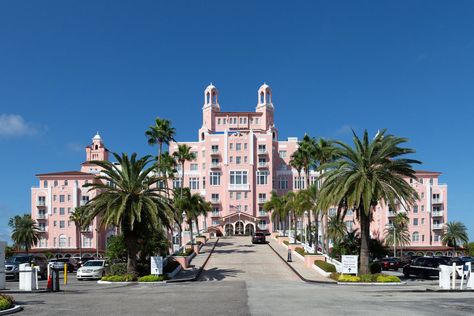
<point x="229" y="230"/>
<point x="249" y="230"/>
<point x="239" y="228"/>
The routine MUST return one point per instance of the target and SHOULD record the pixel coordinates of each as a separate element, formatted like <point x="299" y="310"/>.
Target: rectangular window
<point x="262" y="161"/>
<point x="69" y="197"/>
<point x="298" y="183"/>
<point x="54" y="242"/>
<point x="203" y="154"/>
<point x="422" y="221"/>
<point x="194" y="183"/>
<point x="238" y="177"/>
<point x="61" y="211"/>
<point x="262" y="177"/>
<point x="422" y="208"/>
<point x="238" y="160"/>
<point x="215" y="222"/>
<point x="431" y="181"/>
<point x="176" y="183"/>
<point x="215" y="211"/>
<point x="245" y="146"/>
<point x="235" y="120"/>
<point x="62" y="224"/>
<point x="422" y="237"/>
<point x="245" y="195"/>
<point x="238" y="195"/>
<point x="54" y="210"/>
<point x="54" y="197"/>
<point x="215" y="178"/>
<point x="194" y="167"/>
<point x="215" y="148"/>
<point x="238" y="146"/>
<point x="262" y="148"/>
<point x="283" y="183"/>
<point x="231" y="146"/>
<point x="218" y="121"/>
<point x="415" y="222"/>
<point x="246" y="208"/>
<point x="224" y="121"/>
<point x="422" y="195"/>
<point x="69" y="210"/>
<point x="420" y="180"/>
<point x="415" y="209"/>
<point x="256" y="120"/>
<point x="203" y="166"/>
<point x="215" y="197"/>
<point x="231" y="195"/>
<point x="61" y="198"/>
<point x="55" y="223"/>
<point x="231" y="159"/>
<point x="241" y="120"/>
<point x="262" y="197"/>
<point x="282" y="153"/>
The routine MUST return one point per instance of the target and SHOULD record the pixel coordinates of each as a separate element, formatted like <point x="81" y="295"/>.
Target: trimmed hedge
<point x="326" y="266"/>
<point x="118" y="269"/>
<point x="152" y="278"/>
<point x="387" y="278"/>
<point x="119" y="278"/>
<point x="286" y="242"/>
<point x="6" y="302"/>
<point x="348" y="278"/>
<point x="368" y="278"/>
<point x="186" y="253"/>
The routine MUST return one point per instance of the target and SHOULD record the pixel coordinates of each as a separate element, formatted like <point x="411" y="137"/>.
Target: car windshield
<point x="94" y="263"/>
<point x="20" y="260"/>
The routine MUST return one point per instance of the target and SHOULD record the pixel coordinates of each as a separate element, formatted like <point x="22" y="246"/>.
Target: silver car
<point x="92" y="269"/>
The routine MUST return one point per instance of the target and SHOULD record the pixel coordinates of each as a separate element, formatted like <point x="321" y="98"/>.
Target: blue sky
<point x="71" y="68"/>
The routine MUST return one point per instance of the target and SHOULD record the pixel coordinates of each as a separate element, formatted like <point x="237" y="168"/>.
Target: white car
<point x="92" y="269"/>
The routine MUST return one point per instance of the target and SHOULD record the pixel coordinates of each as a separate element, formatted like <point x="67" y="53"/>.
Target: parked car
<point x="428" y="266"/>
<point x="93" y="269"/>
<point x="258" y="238"/>
<point x="82" y="261"/>
<point x="12" y="265"/>
<point x="390" y="263"/>
<point x="60" y="262"/>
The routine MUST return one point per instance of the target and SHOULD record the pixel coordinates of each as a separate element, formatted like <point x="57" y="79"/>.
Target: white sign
<point x="156" y="265"/>
<point x="2" y="264"/>
<point x="349" y="264"/>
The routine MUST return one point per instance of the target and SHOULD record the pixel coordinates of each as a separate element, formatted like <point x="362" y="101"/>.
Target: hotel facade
<point x="239" y="162"/>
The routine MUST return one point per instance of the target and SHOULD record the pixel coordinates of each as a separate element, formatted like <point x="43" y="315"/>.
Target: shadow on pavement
<point x="216" y="274"/>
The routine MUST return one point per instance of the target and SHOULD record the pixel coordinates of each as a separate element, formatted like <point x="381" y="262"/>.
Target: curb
<point x="198" y="274"/>
<point x="373" y="283"/>
<point x="24" y="292"/>
<point x="131" y="282"/>
<point x="297" y="273"/>
<point x="12" y="310"/>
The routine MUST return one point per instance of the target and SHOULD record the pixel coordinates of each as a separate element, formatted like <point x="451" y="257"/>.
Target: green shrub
<point x="152" y="278"/>
<point x="6" y="302"/>
<point x="143" y="268"/>
<point x="375" y="267"/>
<point x="367" y="278"/>
<point x="326" y="266"/>
<point x="170" y="266"/>
<point x="335" y="276"/>
<point x="348" y="278"/>
<point x="119" y="278"/>
<point x="300" y="250"/>
<point x="286" y="242"/>
<point x="382" y="278"/>
<point x="186" y="253"/>
<point x="118" y="269"/>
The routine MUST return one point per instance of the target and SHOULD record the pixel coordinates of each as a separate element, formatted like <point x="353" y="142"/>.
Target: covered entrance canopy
<point x="239" y="224"/>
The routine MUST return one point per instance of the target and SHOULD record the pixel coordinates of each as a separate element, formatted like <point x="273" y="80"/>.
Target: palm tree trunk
<point x="80" y="243"/>
<point x="131" y="242"/>
<point x="196" y="220"/>
<point x="296" y="232"/>
<point x="364" y="241"/>
<point x="190" y="223"/>
<point x="325" y="224"/>
<point x="316" y="233"/>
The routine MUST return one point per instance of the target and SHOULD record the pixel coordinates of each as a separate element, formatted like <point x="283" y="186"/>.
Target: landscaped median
<point x="367" y="279"/>
<point x="7" y="305"/>
<point x="128" y="278"/>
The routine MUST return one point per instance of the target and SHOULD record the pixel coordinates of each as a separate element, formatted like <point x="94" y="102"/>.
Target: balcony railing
<point x="215" y="151"/>
<point x="42" y="229"/>
<point x="215" y="200"/>
<point x="216" y="214"/>
<point x="263" y="164"/>
<point x="437" y="213"/>
<point x="40" y="203"/>
<point x="262" y="213"/>
<point x="239" y="187"/>
<point x="41" y="216"/>
<point x="262" y="200"/>
<point x="438" y="226"/>
<point x="215" y="165"/>
<point x="391" y="213"/>
<point x="83" y="202"/>
<point x="262" y="151"/>
<point x="437" y="201"/>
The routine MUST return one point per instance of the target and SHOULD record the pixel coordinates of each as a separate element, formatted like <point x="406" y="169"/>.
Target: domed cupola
<point x="264" y="96"/>
<point x="211" y="97"/>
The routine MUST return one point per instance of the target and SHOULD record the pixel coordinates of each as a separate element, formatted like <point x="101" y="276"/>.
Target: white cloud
<point x="75" y="147"/>
<point x="13" y="125"/>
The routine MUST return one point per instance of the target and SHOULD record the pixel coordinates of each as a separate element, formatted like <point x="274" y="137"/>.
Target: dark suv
<point x="60" y="262"/>
<point x="426" y="267"/>
<point x="12" y="265"/>
<point x="258" y="238"/>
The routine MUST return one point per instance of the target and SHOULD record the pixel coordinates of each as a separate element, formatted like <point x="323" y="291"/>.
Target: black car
<point x="426" y="267"/>
<point x="12" y="265"/>
<point x="258" y="238"/>
<point x="391" y="263"/>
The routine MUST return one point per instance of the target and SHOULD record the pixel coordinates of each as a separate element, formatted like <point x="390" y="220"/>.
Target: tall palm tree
<point x="397" y="233"/>
<point x="290" y="209"/>
<point x="182" y="155"/>
<point x="25" y="232"/>
<point x="276" y="205"/>
<point x="79" y="217"/>
<point x="309" y="199"/>
<point x="336" y="229"/>
<point x="372" y="171"/>
<point x="455" y="233"/>
<point x="166" y="169"/>
<point x="203" y="207"/>
<point x="131" y="202"/>
<point x="160" y="133"/>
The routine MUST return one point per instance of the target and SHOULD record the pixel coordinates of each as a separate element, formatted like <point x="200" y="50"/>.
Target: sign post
<point x="156" y="265"/>
<point x="349" y="264"/>
<point x="2" y="264"/>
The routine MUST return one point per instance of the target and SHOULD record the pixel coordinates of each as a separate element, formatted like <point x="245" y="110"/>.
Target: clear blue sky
<point x="70" y="68"/>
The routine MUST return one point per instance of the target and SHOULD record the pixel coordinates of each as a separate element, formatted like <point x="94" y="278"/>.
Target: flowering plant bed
<point x="365" y="278"/>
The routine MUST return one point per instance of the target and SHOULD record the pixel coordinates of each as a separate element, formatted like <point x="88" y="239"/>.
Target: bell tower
<point x="265" y="106"/>
<point x="97" y="150"/>
<point x="211" y="106"/>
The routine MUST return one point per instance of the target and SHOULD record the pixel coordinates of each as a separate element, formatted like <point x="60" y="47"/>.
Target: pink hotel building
<point x="239" y="162"/>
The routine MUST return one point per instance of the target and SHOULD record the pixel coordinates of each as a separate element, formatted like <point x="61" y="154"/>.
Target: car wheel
<point x="79" y="279"/>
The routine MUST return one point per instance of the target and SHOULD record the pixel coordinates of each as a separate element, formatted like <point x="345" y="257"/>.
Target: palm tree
<point x="336" y="229"/>
<point x="131" y="202"/>
<point x="79" y="218"/>
<point x="455" y="233"/>
<point x="202" y="208"/>
<point x="183" y="154"/>
<point x="276" y="205"/>
<point x="372" y="171"/>
<point x="397" y="233"/>
<point x="309" y="199"/>
<point x="166" y="166"/>
<point x="25" y="232"/>
<point x="160" y="133"/>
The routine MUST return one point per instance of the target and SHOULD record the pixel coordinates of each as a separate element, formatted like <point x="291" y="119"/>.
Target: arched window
<point x="65" y="182"/>
<point x="55" y="183"/>
<point x="202" y="136"/>
<point x="214" y="98"/>
<point x="268" y="97"/>
<point x="45" y="184"/>
<point x="62" y="241"/>
<point x="96" y="147"/>
<point x="208" y="98"/>
<point x="415" y="237"/>
<point x="261" y="97"/>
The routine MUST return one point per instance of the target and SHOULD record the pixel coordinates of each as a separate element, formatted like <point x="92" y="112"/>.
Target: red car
<point x="390" y="264"/>
<point x="258" y="238"/>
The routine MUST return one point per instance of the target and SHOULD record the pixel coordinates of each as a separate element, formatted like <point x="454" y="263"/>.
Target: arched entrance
<point x="229" y="230"/>
<point x="239" y="228"/>
<point x="249" y="230"/>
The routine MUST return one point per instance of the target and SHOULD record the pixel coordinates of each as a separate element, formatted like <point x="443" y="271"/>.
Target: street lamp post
<point x="182" y="231"/>
<point x="305" y="230"/>
<point x="289" y="226"/>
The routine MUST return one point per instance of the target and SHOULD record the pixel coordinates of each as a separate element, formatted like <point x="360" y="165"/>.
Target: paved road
<point x="235" y="283"/>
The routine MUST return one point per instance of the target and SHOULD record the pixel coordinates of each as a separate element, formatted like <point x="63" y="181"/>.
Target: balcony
<point x="41" y="216"/>
<point x="438" y="226"/>
<point x="262" y="151"/>
<point x="215" y="200"/>
<point x="437" y="214"/>
<point x="262" y="200"/>
<point x="391" y="214"/>
<point x="43" y="229"/>
<point x="239" y="187"/>
<point x="215" y="152"/>
<point x="41" y="203"/>
<point x="437" y="201"/>
<point x="215" y="165"/>
<point x="262" y="214"/>
<point x="83" y="202"/>
<point x="216" y="214"/>
<point x="263" y="165"/>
